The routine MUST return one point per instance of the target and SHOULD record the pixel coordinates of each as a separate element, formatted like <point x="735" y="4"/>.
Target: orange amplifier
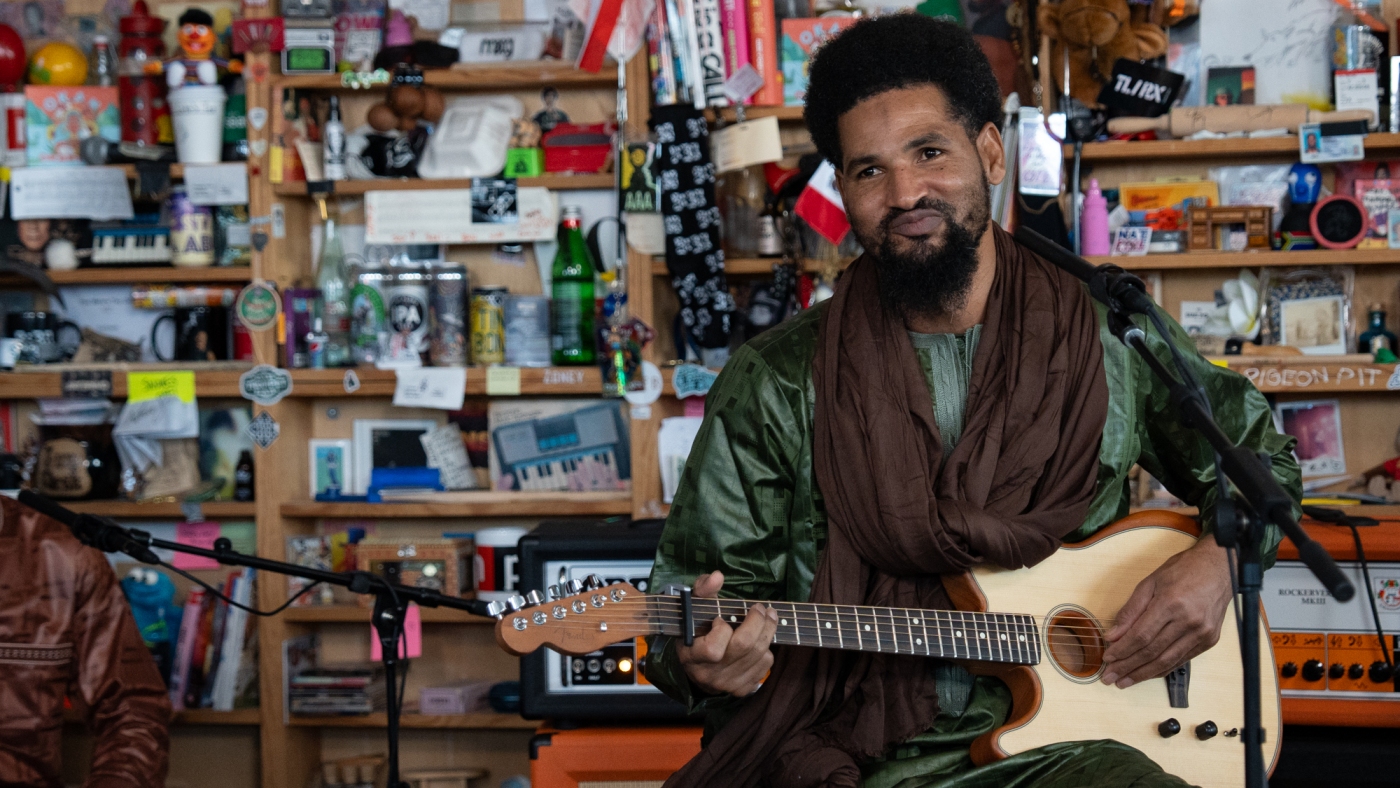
<point x="610" y="757"/>
<point x="1331" y="664"/>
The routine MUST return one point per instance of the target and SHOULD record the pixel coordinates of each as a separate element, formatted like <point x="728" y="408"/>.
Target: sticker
<point x="142" y="386"/>
<point x="193" y="511"/>
<point x="651" y="388"/>
<point x="86" y="384"/>
<point x="257" y="305"/>
<point x="352" y="381"/>
<point x="279" y="220"/>
<point x="692" y="380"/>
<point x="1131" y="241"/>
<point x="744" y="82"/>
<point x="259" y="239"/>
<point x="263" y="430"/>
<point x="265" y="384"/>
<point x="742" y="145"/>
<point x="258" y="147"/>
<point x="1394" y="383"/>
<point x="430" y="387"/>
<point x="257" y="118"/>
<point x="503" y="381"/>
<point x="641" y="413"/>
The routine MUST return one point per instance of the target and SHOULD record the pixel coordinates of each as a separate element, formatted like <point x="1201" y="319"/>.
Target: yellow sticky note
<point x="149" y="385"/>
<point x="1220" y="362"/>
<point x="503" y="381"/>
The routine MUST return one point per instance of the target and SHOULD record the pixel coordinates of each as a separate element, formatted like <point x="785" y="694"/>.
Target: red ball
<point x="12" y="59"/>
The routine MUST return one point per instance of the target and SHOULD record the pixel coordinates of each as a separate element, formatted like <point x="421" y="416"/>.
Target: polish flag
<point x="820" y="205"/>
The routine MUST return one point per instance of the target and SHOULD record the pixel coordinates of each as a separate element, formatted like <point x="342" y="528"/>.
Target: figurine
<point x="1295" y="230"/>
<point x="151" y="595"/>
<point x="550" y="116"/>
<point x="197" y="64"/>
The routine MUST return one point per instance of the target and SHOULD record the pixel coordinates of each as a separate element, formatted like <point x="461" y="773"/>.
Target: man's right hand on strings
<point x="729" y="660"/>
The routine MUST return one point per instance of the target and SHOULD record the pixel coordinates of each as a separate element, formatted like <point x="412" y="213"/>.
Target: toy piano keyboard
<point x="584" y="450"/>
<point x="131" y="244"/>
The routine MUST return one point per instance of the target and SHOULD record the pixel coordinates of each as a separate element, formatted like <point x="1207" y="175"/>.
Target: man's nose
<point x="905" y="189"/>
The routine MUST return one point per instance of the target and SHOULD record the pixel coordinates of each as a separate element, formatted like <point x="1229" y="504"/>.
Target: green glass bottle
<point x="331" y="279"/>
<point x="571" y="306"/>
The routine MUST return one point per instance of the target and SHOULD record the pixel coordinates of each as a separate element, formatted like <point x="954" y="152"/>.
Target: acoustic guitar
<point x="1045" y="640"/>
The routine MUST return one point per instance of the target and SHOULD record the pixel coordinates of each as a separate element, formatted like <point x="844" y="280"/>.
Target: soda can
<point x="488" y="325"/>
<point x="447" y="337"/>
<point x="191" y="231"/>
<point x="527" y="331"/>
<point x="406" y="309"/>
<point x="368" y="316"/>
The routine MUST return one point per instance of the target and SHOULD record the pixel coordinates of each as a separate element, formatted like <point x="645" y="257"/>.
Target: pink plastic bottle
<point x="1093" y="222"/>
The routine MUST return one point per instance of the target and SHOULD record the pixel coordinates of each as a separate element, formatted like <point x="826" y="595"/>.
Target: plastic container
<point x="1093" y="223"/>
<point x="198" y="114"/>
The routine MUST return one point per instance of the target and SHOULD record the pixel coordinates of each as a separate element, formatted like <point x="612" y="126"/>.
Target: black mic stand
<point x="1264" y="500"/>
<point x="390" y="599"/>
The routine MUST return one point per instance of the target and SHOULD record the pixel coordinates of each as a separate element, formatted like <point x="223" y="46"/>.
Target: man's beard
<point x="930" y="281"/>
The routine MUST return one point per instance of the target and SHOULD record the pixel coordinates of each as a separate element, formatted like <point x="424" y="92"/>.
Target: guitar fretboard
<point x="949" y="634"/>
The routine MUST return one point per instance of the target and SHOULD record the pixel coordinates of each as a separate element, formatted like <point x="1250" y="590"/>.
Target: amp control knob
<point x="1381" y="672"/>
<point x="1169" y="728"/>
<point x="1313" y="670"/>
<point x="1206" y="730"/>
<point x="1288" y="670"/>
<point x="1355" y="672"/>
<point x="1336" y="671"/>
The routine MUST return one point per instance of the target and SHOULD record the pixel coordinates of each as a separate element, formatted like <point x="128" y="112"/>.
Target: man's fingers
<point x="757" y="630"/>
<point x="1172" y="657"/>
<point x="711" y="647"/>
<point x="708" y="585"/>
<point x="1118" y="670"/>
<point x="1144" y="627"/>
<point x="1137" y="603"/>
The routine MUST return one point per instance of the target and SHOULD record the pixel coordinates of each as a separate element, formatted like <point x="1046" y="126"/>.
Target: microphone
<point x="1109" y="284"/>
<point x="94" y="531"/>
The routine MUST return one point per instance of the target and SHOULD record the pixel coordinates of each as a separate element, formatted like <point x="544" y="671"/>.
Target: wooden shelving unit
<point x="191" y="717"/>
<point x="1201" y="260"/>
<point x="1316" y="374"/>
<point x="506" y="76"/>
<point x="534" y="381"/>
<point x="354" y="614"/>
<point x="556" y="181"/>
<point x="731" y="115"/>
<point x="1231" y="147"/>
<point x="484" y="721"/>
<point x="750" y="266"/>
<point x="473" y="504"/>
<point x="177" y="170"/>
<point x="227" y="510"/>
<point x="211" y="379"/>
<point x="232" y="275"/>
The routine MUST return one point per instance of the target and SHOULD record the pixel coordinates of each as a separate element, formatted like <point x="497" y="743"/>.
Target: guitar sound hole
<point x="1076" y="644"/>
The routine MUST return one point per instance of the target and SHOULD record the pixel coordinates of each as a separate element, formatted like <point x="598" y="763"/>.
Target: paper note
<point x="69" y="193"/>
<point x="196" y="535"/>
<point x="444" y="217"/>
<point x="149" y="385"/>
<point x="217" y="184"/>
<point x="746" y="144"/>
<point x="431" y="387"/>
<point x="447" y="452"/>
<point x="503" y="381"/>
<point x="410" y="645"/>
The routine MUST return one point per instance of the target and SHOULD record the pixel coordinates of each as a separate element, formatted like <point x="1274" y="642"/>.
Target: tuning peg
<point x="555" y="592"/>
<point x="594" y="582"/>
<point x="533" y="599"/>
<point x="495" y="609"/>
<point x="515" y="602"/>
<point x="573" y="587"/>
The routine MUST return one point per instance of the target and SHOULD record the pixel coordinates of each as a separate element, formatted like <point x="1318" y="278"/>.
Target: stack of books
<point x="346" y="689"/>
<point x="216" y="655"/>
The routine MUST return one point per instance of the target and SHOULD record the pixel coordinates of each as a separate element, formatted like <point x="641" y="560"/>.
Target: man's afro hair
<point x="898" y="51"/>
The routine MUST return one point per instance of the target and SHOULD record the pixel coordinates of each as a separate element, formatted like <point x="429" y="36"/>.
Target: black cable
<point x="1370" y="593"/>
<point x="220" y="595"/>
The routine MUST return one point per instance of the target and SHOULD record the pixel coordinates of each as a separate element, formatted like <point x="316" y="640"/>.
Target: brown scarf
<point x="1021" y="478"/>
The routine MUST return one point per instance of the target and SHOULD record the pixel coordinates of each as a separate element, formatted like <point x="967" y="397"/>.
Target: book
<point x="199" y="653"/>
<point x="59" y="119"/>
<point x="734" y="26"/>
<point x="216" y="644"/>
<point x="763" y="53"/>
<point x="711" y="44"/>
<point x="231" y="652"/>
<point x="801" y="39"/>
<point x="1380" y="199"/>
<point x="312" y="552"/>
<point x="184" y="646"/>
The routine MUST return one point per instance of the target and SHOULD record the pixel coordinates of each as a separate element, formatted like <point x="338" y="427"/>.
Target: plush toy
<point x="1096" y="34"/>
<point x="151" y="596"/>
<point x="196" y="64"/>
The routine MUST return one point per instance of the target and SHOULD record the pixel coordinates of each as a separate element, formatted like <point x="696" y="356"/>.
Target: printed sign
<point x="256" y="306"/>
<point x="1139" y="89"/>
<point x="265" y="384"/>
<point x="263" y="430"/>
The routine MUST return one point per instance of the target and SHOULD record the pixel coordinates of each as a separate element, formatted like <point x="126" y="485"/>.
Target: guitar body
<point x="1062" y="698"/>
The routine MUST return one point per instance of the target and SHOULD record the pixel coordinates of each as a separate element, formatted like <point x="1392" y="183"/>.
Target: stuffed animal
<point x="1096" y="34"/>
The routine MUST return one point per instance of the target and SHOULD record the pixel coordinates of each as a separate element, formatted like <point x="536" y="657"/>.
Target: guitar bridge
<point x="1178" y="687"/>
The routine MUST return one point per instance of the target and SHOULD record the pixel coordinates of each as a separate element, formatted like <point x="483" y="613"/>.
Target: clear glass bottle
<point x="102" y="69"/>
<point x="1376" y="336"/>
<point x="572" y="304"/>
<point x="332" y="280"/>
<point x="742" y="196"/>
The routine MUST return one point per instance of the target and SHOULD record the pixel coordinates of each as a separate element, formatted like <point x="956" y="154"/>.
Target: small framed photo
<point x="388" y="443"/>
<point x="1317" y="424"/>
<point x="1316" y="325"/>
<point x="332" y="466"/>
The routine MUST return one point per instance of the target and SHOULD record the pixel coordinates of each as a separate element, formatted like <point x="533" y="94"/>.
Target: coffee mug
<point x="39" y="337"/>
<point x="201" y="334"/>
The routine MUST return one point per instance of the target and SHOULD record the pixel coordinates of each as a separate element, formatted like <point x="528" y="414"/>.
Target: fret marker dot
<point x="783" y="622"/>
<point x="959" y="634"/>
<point x="1022" y="638"/>
<point x="733" y="619"/>
<point x="982" y="635"/>
<point x="918" y="641"/>
<point x="1003" y="637"/>
<point x="867" y="627"/>
<point x="828" y="625"/>
<point x="916" y="621"/>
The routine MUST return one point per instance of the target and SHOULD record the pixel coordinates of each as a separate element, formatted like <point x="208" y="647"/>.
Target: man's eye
<point x="868" y="172"/>
<point x="930" y="153"/>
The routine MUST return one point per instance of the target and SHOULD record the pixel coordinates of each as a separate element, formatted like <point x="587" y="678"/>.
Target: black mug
<point x="40" y="336"/>
<point x="201" y="334"/>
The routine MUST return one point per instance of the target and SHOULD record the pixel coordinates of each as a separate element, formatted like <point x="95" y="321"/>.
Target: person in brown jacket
<point x="65" y="624"/>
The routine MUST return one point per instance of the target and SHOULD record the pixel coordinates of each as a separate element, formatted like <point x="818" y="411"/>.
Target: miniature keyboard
<point x="576" y="451"/>
<point x="130" y="245"/>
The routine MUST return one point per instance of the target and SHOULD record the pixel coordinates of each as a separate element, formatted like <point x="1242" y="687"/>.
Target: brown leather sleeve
<point x="119" y="682"/>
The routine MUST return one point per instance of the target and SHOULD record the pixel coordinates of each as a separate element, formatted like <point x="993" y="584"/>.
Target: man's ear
<point x="992" y="154"/>
<point x="840" y="183"/>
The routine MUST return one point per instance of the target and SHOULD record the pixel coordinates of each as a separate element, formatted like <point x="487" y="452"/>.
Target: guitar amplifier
<point x="606" y="684"/>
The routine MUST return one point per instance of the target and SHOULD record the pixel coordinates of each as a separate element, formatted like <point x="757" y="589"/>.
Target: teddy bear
<point x="1097" y="33"/>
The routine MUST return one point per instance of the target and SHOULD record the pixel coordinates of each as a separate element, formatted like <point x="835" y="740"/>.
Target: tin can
<point x="527" y="330"/>
<point x="407" y="309"/>
<point x="369" y="325"/>
<point x="488" y="325"/>
<point x="447" y="337"/>
<point x="191" y="231"/>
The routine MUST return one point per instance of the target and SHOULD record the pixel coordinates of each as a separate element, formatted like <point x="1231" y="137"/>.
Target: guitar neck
<point x="948" y="634"/>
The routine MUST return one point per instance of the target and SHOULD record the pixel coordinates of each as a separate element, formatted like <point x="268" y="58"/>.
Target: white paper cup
<point x="197" y="112"/>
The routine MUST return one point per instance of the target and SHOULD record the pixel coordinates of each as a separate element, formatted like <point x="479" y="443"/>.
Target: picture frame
<point x="1315" y="325"/>
<point x="1317" y="425"/>
<point x="387" y="443"/>
<point x="332" y="465"/>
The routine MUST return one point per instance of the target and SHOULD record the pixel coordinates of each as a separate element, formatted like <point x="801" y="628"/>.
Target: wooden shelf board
<point x="177" y="170"/>
<point x="212" y="379"/>
<point x="152" y="275"/>
<point x="136" y="509"/>
<point x="471" y="722"/>
<point x="193" y="717"/>
<point x="571" y="381"/>
<point x="354" y="614"/>
<point x="750" y="266"/>
<point x="556" y="181"/>
<point x="751" y="113"/>
<point x="479" y="77"/>
<point x="474" y="504"/>
<point x="1187" y="260"/>
<point x="1313" y="374"/>
<point x="1203" y="149"/>
<point x="1342" y="712"/>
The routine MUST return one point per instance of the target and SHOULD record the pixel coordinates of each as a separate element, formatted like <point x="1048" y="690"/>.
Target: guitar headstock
<point x="592" y="617"/>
